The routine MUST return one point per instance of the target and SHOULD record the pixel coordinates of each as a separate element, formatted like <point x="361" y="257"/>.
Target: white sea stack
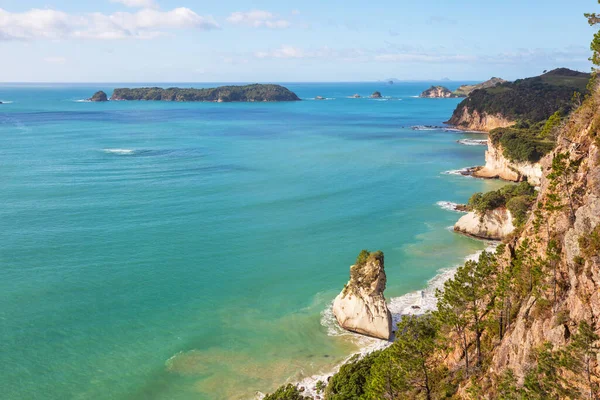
<point x="361" y="306"/>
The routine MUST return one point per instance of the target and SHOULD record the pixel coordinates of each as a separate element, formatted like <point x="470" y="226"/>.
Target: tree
<point x="579" y="355"/>
<point x="594" y="19"/>
<point x="415" y="345"/>
<point x="452" y="311"/>
<point x="287" y="392"/>
<point x="563" y="169"/>
<point x="473" y="284"/>
<point x="386" y="380"/>
<point x="544" y="381"/>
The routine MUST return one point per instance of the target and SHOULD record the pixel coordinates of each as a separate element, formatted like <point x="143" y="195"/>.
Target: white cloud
<point x="409" y="54"/>
<point x="258" y="19"/>
<point x="144" y="24"/>
<point x="55" y="60"/>
<point x="137" y="3"/>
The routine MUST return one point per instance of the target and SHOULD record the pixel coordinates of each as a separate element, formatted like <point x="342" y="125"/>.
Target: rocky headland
<point x="497" y="165"/>
<point x="361" y="306"/>
<point x="496" y="224"/>
<point x="438" y="92"/>
<point x="532" y="99"/>
<point x="222" y="94"/>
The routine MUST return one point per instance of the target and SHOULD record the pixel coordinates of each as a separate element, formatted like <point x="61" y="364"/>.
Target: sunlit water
<point x="190" y="251"/>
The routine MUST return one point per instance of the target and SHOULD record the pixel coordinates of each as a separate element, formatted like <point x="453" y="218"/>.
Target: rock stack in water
<point x="99" y="96"/>
<point x="361" y="306"/>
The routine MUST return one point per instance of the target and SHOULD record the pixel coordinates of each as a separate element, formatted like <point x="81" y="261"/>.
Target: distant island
<point x="438" y="92"/>
<point x="462" y="91"/>
<point x="222" y="94"/>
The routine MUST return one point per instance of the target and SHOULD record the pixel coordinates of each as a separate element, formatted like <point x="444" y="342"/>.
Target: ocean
<point x="153" y="250"/>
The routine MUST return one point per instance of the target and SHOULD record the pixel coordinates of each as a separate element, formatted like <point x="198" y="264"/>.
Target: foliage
<point x="350" y="381"/>
<point x="256" y="92"/>
<point x="517" y="198"/>
<point x="286" y="392"/>
<point x="522" y="143"/>
<point x="531" y="99"/>
<point x="590" y="244"/>
<point x="552" y="124"/>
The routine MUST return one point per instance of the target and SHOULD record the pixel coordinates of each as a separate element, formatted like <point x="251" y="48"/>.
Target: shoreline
<point x="412" y="303"/>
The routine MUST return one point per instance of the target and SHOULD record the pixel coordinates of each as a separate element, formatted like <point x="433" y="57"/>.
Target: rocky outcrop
<point x="99" y="96"/>
<point x="319" y="98"/>
<point x="361" y="306"/>
<point x="493" y="225"/>
<point x="355" y="96"/>
<point x="498" y="166"/>
<point x="435" y="92"/>
<point x="474" y="120"/>
<point x="465" y="90"/>
<point x="376" y="95"/>
<point x="221" y="94"/>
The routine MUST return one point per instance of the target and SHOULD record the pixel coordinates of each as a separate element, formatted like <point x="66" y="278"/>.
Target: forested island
<point x="222" y="94"/>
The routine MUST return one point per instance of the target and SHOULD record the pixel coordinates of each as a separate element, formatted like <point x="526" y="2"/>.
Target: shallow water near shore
<point x="188" y="251"/>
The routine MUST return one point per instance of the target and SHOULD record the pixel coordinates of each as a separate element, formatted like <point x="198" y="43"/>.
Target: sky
<point x="289" y="41"/>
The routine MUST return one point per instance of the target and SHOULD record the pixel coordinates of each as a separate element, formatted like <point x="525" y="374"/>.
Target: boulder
<point x="376" y="95"/>
<point x="99" y="96"/>
<point x="355" y="96"/>
<point x="361" y="306"/>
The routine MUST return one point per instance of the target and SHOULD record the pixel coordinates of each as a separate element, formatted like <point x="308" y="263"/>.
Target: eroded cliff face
<point x="475" y="121"/>
<point x="361" y="306"/>
<point x="571" y="283"/>
<point x="498" y="166"/>
<point x="493" y="225"/>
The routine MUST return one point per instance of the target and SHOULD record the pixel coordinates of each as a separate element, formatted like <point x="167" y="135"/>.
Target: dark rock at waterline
<point x="376" y="95"/>
<point x="99" y="96"/>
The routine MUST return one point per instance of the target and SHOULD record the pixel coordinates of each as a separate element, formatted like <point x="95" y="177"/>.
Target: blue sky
<point x="277" y="41"/>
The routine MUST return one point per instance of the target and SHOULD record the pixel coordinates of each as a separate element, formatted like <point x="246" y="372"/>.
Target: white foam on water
<point x="463" y="172"/>
<point x="6" y="102"/>
<point x="121" y="152"/>
<point x="414" y="303"/>
<point x="449" y="206"/>
<point x="425" y="128"/>
<point x="82" y="101"/>
<point x="473" y="142"/>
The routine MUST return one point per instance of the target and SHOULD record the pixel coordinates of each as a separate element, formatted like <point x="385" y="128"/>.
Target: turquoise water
<point x="187" y="251"/>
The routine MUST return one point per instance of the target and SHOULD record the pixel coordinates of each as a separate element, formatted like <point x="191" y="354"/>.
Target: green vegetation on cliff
<point x="248" y="93"/>
<point x="531" y="99"/>
<point x="516" y="198"/>
<point x="523" y="142"/>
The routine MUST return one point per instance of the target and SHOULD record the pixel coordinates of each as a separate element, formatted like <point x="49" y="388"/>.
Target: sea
<point x="156" y="250"/>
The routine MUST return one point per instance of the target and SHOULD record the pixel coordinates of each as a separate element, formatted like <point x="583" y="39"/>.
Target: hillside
<point x="466" y="90"/>
<point x="248" y="93"/>
<point x="529" y="100"/>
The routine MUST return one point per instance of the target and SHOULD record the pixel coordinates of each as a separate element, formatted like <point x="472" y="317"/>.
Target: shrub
<point x="287" y="392"/>
<point x="349" y="382"/>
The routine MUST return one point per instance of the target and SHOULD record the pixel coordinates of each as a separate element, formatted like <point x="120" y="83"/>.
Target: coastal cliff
<point x="476" y="120"/>
<point x="248" y="93"/>
<point x="532" y="99"/>
<point x="361" y="306"/>
<point x="498" y="166"/>
<point x="496" y="224"/>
